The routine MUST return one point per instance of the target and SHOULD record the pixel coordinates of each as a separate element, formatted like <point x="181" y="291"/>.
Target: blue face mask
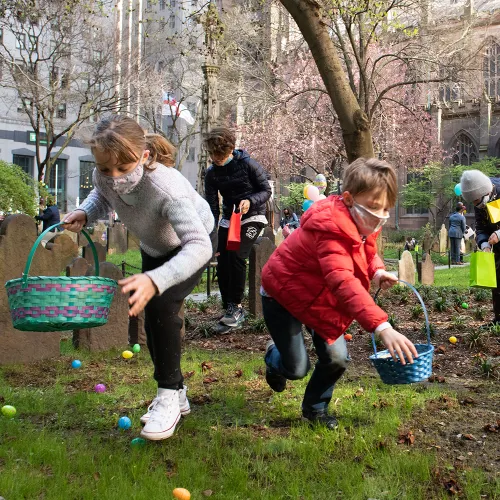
<point x="230" y="158"/>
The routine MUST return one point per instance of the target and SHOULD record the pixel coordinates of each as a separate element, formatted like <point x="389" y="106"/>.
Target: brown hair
<point x="160" y="150"/>
<point x="364" y="175"/>
<point x="220" y="141"/>
<point x="121" y="137"/>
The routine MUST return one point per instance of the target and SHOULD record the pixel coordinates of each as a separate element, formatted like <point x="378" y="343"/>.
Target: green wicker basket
<point x="58" y="303"/>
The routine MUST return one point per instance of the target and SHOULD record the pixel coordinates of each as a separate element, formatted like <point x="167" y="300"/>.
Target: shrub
<point x="17" y="190"/>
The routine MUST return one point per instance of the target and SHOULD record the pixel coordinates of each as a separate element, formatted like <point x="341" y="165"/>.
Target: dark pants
<point x="289" y="356"/>
<point x="496" y="291"/>
<point x="163" y="324"/>
<point x="455" y="249"/>
<point x="232" y="265"/>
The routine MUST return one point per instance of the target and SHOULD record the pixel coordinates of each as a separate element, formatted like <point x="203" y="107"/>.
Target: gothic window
<point x="491" y="69"/>
<point x="464" y="151"/>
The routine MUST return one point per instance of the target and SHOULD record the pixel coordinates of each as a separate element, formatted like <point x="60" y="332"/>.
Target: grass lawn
<point x="241" y="441"/>
<point x="456" y="276"/>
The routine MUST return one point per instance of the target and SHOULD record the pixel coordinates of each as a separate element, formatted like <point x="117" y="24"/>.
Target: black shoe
<point x="234" y="315"/>
<point x="275" y="381"/>
<point x="320" y="418"/>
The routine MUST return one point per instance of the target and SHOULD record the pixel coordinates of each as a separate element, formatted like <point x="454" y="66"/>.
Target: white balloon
<point x="322" y="197"/>
<point x="313" y="193"/>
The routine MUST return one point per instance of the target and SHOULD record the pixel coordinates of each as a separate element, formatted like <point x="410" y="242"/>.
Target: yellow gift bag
<point x="482" y="270"/>
<point x="494" y="211"/>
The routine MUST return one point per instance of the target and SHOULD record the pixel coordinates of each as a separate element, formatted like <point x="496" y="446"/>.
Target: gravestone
<point x="79" y="267"/>
<point x="64" y="244"/>
<point x="435" y="245"/>
<point x="115" y="332"/>
<point x="427" y="271"/>
<point x="133" y="242"/>
<point x="259" y="255"/>
<point x="427" y="243"/>
<point x="117" y="239"/>
<point x="443" y="239"/>
<point x="278" y="238"/>
<point x="407" y="268"/>
<point x="97" y="233"/>
<point x="89" y="256"/>
<point x="17" y="235"/>
<point x="269" y="233"/>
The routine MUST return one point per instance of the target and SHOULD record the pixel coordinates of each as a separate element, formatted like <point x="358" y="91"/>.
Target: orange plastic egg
<point x="181" y="494"/>
<point x="348" y="336"/>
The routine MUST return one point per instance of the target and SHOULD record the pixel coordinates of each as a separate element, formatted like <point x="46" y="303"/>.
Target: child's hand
<point x="384" y="280"/>
<point x="144" y="289"/>
<point x="397" y="343"/>
<point x="75" y="221"/>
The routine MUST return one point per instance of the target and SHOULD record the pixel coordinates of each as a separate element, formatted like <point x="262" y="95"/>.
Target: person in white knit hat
<point x="479" y="189"/>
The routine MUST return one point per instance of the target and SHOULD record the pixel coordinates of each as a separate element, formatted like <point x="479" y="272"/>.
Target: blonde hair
<point x="119" y="136"/>
<point x="160" y="150"/>
<point x="364" y="175"/>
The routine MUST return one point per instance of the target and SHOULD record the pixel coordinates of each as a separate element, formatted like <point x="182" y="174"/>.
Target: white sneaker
<point x="183" y="405"/>
<point x="163" y="417"/>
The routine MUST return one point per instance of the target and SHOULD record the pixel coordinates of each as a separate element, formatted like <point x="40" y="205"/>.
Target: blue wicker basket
<point x="393" y="372"/>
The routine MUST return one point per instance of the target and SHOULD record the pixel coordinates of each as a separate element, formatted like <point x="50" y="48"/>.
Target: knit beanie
<point x="474" y="185"/>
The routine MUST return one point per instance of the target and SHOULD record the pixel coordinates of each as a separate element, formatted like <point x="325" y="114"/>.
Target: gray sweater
<point x="165" y="212"/>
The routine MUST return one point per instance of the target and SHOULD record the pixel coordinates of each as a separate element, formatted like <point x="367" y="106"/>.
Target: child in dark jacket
<point x="320" y="277"/>
<point x="243" y="185"/>
<point x="479" y="189"/>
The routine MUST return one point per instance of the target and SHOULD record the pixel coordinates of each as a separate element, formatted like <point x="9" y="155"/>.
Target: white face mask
<point x="366" y="221"/>
<point x="125" y="183"/>
<point x="485" y="199"/>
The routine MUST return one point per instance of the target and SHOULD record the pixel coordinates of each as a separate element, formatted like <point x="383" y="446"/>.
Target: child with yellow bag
<point x="480" y="190"/>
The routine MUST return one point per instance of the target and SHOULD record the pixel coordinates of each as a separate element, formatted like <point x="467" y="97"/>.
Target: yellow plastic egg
<point x="181" y="494"/>
<point x="127" y="354"/>
<point x="453" y="340"/>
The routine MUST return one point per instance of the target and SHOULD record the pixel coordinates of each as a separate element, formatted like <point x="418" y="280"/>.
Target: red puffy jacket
<point x="321" y="273"/>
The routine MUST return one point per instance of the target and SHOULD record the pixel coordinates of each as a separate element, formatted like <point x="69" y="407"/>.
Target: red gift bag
<point x="234" y="233"/>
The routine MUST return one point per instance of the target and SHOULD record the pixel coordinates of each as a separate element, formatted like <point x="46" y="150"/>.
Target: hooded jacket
<point x="484" y="227"/>
<point x="321" y="273"/>
<point x="241" y="179"/>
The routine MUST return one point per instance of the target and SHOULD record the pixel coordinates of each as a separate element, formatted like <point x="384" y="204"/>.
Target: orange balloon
<point x="181" y="494"/>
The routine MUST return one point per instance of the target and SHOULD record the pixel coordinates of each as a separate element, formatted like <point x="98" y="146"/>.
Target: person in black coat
<point x="243" y="185"/>
<point x="456" y="233"/>
<point x="479" y="189"/>
<point x="49" y="217"/>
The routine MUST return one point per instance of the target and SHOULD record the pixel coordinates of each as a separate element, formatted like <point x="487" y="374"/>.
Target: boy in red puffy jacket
<point x="320" y="277"/>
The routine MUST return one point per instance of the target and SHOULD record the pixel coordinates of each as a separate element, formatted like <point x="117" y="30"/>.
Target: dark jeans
<point x="232" y="265"/>
<point x="455" y="249"/>
<point x="289" y="356"/>
<point x="163" y="324"/>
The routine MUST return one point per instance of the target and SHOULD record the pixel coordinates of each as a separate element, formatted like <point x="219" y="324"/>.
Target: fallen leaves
<point x="440" y="349"/>
<point x="492" y="427"/>
<point x="189" y="374"/>
<point x="436" y="378"/>
<point x="210" y="380"/>
<point x="205" y="366"/>
<point x="452" y="487"/>
<point x="238" y="373"/>
<point x="406" y="438"/>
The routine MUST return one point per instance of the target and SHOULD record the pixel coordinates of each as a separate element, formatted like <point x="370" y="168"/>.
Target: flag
<point x="173" y="108"/>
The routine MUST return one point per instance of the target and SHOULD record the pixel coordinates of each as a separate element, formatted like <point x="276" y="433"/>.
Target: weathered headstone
<point x="407" y="268"/>
<point x="443" y="239"/>
<point x="427" y="271"/>
<point x="17" y="235"/>
<point x="259" y="255"/>
<point x="97" y="232"/>
<point x="117" y="239"/>
<point x="133" y="242"/>
<point x="115" y="332"/>
<point x="427" y="243"/>
<point x="269" y="233"/>
<point x="435" y="245"/>
<point x="89" y="256"/>
<point x="64" y="244"/>
<point x="278" y="239"/>
<point x="78" y="267"/>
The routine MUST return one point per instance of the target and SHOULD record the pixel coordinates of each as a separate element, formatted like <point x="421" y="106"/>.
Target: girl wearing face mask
<point x="479" y="189"/>
<point x="320" y="277"/>
<point x="173" y="223"/>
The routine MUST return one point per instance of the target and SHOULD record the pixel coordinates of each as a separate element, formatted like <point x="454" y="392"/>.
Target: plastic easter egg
<point x="306" y="204"/>
<point x="453" y="340"/>
<point x="458" y="190"/>
<point x="8" y="411"/>
<point x="181" y="494"/>
<point x="465" y="305"/>
<point x="76" y="363"/>
<point x="136" y="348"/>
<point x="127" y="354"/>
<point x="100" y="388"/>
<point x="124" y="423"/>
<point x="138" y="443"/>
<point x="348" y="336"/>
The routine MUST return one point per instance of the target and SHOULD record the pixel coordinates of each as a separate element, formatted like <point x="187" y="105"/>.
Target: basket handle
<point x="419" y="297"/>
<point x="39" y="239"/>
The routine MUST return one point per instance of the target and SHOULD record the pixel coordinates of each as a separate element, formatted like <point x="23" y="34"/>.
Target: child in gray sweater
<point x="174" y="224"/>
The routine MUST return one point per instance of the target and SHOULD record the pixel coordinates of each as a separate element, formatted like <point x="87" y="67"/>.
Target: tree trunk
<point x="354" y="122"/>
